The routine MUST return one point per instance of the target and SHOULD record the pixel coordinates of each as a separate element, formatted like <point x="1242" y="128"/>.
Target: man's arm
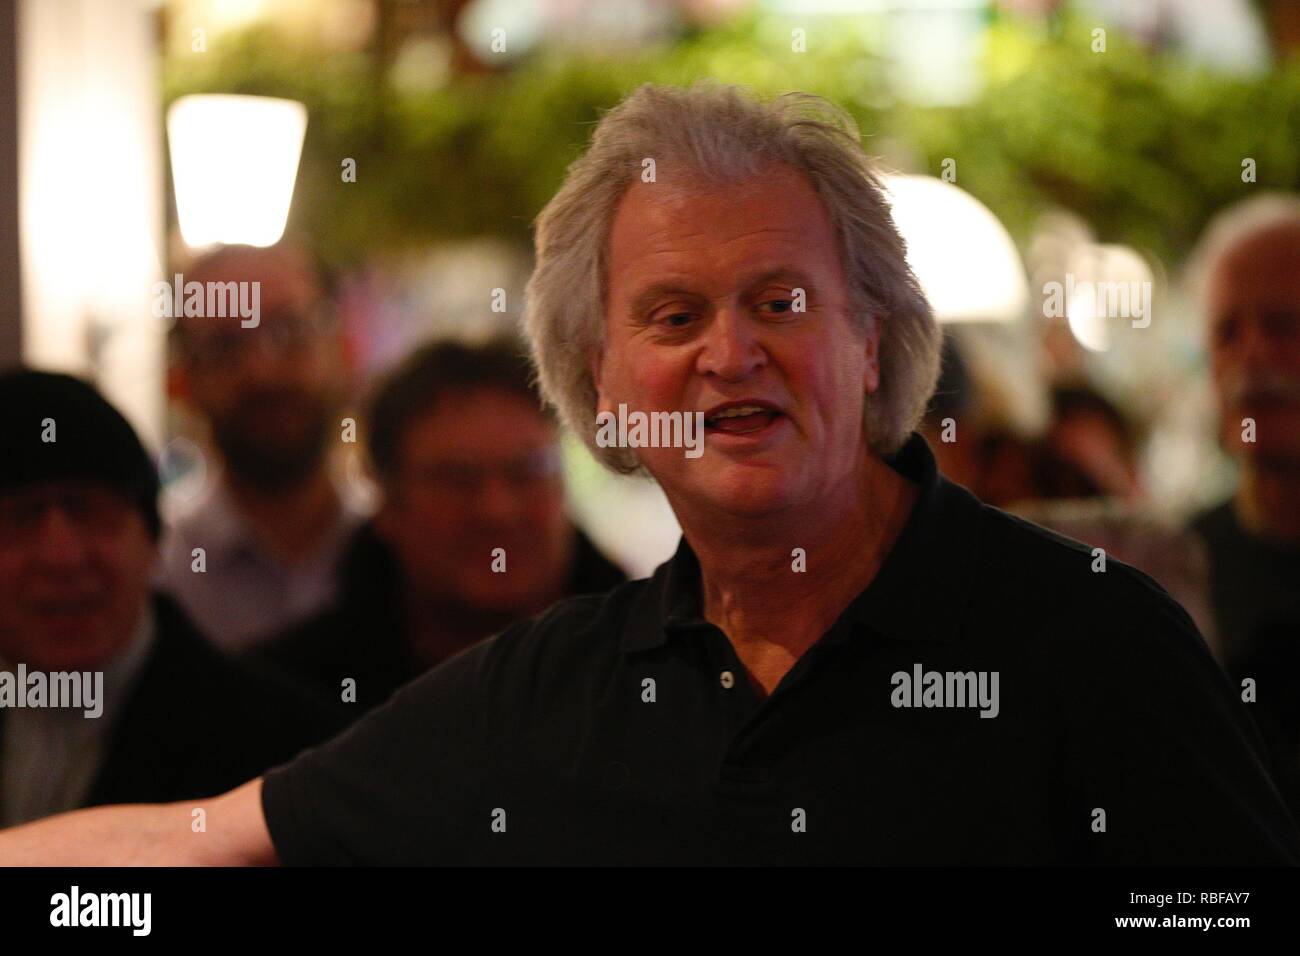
<point x="234" y="833"/>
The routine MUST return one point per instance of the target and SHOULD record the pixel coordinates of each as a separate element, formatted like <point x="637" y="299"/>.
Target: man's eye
<point x="1280" y="322"/>
<point x="677" y="320"/>
<point x="780" y="306"/>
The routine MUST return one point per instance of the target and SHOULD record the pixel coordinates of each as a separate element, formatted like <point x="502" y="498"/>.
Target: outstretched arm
<point x="234" y="833"/>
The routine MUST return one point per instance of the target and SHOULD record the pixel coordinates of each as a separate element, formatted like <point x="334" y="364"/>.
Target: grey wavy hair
<point x="724" y="134"/>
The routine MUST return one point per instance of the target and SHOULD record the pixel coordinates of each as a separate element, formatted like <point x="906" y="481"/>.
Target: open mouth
<point x="738" y="418"/>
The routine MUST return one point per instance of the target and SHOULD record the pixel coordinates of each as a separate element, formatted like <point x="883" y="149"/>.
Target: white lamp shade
<point x="965" y="259"/>
<point x="234" y="162"/>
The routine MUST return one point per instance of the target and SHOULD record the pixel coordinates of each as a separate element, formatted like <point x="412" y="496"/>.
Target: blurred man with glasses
<point x="471" y="532"/>
<point x="271" y="521"/>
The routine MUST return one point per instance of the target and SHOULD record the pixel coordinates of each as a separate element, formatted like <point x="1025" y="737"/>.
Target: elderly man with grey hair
<point x="1247" y="274"/>
<point x="848" y="660"/>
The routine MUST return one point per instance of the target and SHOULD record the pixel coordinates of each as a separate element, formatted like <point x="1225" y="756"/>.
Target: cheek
<point x="1289" y="355"/>
<point x="1221" y="366"/>
<point x="647" y="379"/>
<point x="133" y="563"/>
<point x="217" y="395"/>
<point x="833" y="386"/>
<point x="546" y="510"/>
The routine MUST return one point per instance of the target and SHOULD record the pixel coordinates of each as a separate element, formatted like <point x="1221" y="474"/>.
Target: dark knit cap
<point x="92" y="441"/>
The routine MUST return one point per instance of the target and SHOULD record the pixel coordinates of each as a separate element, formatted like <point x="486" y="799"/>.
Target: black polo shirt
<point x="621" y="729"/>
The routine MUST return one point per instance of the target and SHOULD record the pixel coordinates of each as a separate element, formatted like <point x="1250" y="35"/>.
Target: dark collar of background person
<point x="370" y="592"/>
<point x="364" y="635"/>
<point x="1254" y="581"/>
<point x="933" y="555"/>
<point x="197" y="723"/>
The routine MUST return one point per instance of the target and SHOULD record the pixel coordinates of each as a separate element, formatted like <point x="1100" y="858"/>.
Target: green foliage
<point x="1142" y="146"/>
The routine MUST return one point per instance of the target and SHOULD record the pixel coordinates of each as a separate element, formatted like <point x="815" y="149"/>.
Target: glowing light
<point x="234" y="162"/>
<point x="964" y="258"/>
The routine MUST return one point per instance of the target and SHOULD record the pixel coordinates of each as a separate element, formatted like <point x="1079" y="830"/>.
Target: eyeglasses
<point x="526" y="474"/>
<point x="95" y="511"/>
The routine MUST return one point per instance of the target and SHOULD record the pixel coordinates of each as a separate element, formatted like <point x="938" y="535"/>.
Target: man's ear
<point x="596" y="362"/>
<point x="871" y="368"/>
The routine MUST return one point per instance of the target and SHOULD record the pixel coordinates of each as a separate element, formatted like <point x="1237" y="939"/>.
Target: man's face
<point x="479" y="471"/>
<point x="268" y="392"/>
<point x="75" y="559"/>
<point x="702" y="284"/>
<point x="1254" y="309"/>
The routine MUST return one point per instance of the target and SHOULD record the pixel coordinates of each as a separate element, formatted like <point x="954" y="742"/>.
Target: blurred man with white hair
<point x="1248" y="268"/>
<point x="1249" y="271"/>
<point x="848" y="660"/>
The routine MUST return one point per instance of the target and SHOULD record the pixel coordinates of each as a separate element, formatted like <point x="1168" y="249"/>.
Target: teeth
<point x="739" y="410"/>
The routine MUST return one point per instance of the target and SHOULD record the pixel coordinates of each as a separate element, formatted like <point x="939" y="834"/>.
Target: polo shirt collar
<point x="921" y="592"/>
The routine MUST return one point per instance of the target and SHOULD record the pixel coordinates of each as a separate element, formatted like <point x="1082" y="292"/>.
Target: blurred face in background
<point x="1254" y="315"/>
<point x="480" y="470"/>
<point x="269" y="393"/>
<point x="75" y="559"/>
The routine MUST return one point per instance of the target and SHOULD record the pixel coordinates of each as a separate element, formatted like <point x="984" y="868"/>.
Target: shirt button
<point x="728" y="680"/>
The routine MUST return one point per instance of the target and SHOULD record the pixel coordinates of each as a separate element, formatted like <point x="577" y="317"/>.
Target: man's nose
<point x="261" y="361"/>
<point x="60" y="542"/>
<point x="1257" y="350"/>
<point x="496" y="501"/>
<point x="731" y="346"/>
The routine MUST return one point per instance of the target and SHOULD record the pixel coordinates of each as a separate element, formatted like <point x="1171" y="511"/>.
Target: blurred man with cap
<point x="171" y="717"/>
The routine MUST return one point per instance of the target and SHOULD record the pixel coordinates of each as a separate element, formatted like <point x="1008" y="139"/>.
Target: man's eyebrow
<point x="655" y="291"/>
<point x="651" y="293"/>
<point x="796" y="277"/>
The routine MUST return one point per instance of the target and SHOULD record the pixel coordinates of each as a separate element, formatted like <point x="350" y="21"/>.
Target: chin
<point x="750" y="495"/>
<point x="56" y="655"/>
<point x="1277" y="435"/>
<point x="490" y="596"/>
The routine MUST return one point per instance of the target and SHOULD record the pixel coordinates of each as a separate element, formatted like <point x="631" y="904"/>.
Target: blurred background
<point x="1092" y="139"/>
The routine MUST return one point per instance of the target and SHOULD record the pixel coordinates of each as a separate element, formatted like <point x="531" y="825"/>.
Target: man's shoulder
<point x="1067" y="585"/>
<point x="586" y="624"/>
<point x="539" y="669"/>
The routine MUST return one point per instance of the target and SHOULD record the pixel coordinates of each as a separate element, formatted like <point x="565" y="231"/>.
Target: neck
<point x="751" y="588"/>
<point x="292" y="522"/>
<point x="1268" y="500"/>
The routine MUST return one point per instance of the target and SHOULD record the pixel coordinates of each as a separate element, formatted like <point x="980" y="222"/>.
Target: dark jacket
<point x="1273" y="663"/>
<point x="363" y="635"/>
<point x="198" y="723"/>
